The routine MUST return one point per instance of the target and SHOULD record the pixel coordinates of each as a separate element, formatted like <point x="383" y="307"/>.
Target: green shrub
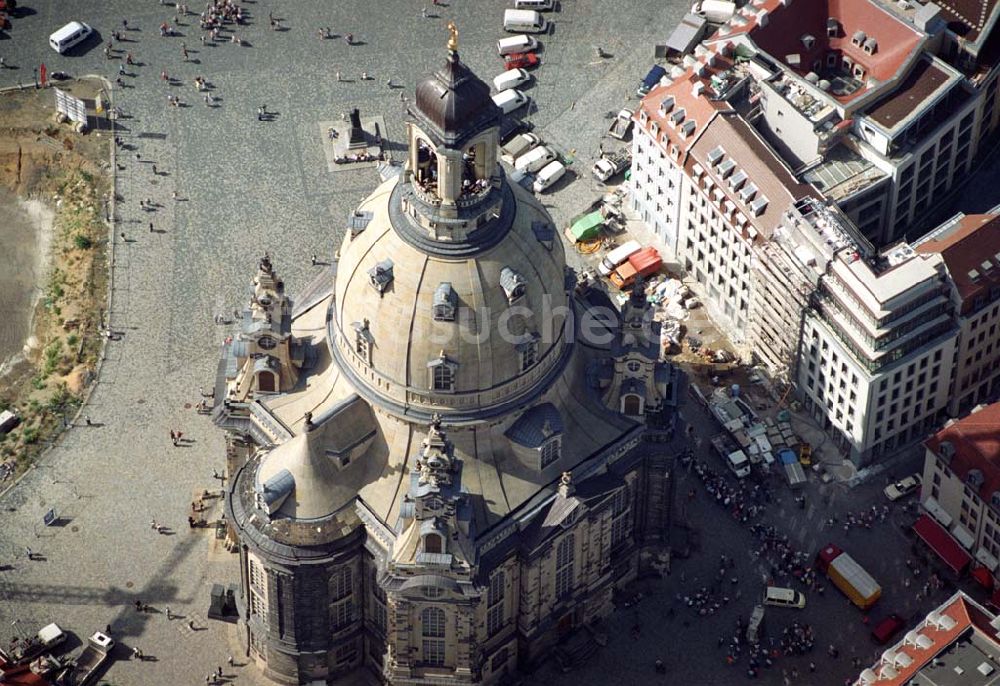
<point x="82" y="242"/>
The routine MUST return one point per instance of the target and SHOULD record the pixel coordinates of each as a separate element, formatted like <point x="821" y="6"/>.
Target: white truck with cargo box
<point x="617" y="256"/>
<point x="512" y="78"/>
<point x="612" y="164"/>
<point x="524" y="21"/>
<point x="47" y="638"/>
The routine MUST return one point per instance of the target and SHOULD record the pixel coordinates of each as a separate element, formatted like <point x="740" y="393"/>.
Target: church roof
<point x="536" y="425"/>
<point x="455" y="101"/>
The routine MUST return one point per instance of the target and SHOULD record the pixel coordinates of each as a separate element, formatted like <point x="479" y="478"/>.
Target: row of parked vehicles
<point x="528" y="156"/>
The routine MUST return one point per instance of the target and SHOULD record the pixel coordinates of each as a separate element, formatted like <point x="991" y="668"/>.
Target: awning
<point x="942" y="544"/>
<point x="963" y="536"/>
<point x="983" y="557"/>
<point x="983" y="576"/>
<point x="936" y="511"/>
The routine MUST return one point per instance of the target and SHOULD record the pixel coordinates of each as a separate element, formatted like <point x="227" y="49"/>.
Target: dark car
<point x="887" y="628"/>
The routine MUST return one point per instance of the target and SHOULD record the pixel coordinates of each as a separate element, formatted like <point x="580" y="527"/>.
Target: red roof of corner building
<point x="964" y="615"/>
<point x="898" y="41"/>
<point x="697" y="108"/>
<point x="973" y="241"/>
<point x="976" y="439"/>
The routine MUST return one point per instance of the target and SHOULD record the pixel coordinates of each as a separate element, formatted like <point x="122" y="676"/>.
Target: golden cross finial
<point x="453" y="39"/>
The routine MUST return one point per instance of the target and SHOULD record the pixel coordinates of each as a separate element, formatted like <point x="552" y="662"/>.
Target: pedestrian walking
<point x="364" y="76"/>
<point x="121" y="69"/>
<point x="230" y="660"/>
<point x="208" y="100"/>
<point x="154" y="525"/>
<point x="87" y="419"/>
<point x="313" y="260"/>
<point x="122" y="234"/>
<point x="423" y="12"/>
<point x="339" y="78"/>
<point x="191" y="624"/>
<point x="173" y="437"/>
<point x="219" y="672"/>
<point x="125" y="24"/>
<point x="184" y="54"/>
<point x="29" y="553"/>
<point x="170" y="615"/>
<point x="128" y="59"/>
<point x="388" y="83"/>
<point x="154" y="170"/>
<point x="164" y="76"/>
<point x="135" y="651"/>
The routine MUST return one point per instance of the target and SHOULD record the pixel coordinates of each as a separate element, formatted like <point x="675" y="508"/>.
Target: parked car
<point x="512" y="78"/>
<point x="521" y="60"/>
<point x="549" y="174"/>
<point x="519" y="145"/>
<point x="887" y="628"/>
<point x="903" y="487"/>
<point x="510" y="100"/>
<point x="535" y="159"/>
<point x="517" y="44"/>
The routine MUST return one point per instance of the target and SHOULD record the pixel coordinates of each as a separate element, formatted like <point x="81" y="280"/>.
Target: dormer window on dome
<point x="442" y="374"/>
<point x="444" y="302"/>
<point x="363" y="341"/>
<point x="380" y="276"/>
<point x="513" y="284"/>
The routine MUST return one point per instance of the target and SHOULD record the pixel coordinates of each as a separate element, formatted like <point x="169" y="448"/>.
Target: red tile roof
<point x="965" y="615"/>
<point x="975" y="240"/>
<point x="781" y="35"/>
<point x="976" y="439"/>
<point x="697" y="108"/>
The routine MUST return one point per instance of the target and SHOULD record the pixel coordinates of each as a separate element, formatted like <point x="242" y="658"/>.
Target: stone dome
<point x="450" y="309"/>
<point x="454" y="100"/>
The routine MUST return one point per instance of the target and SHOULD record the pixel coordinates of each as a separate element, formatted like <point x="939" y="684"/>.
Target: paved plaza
<point x="245" y="186"/>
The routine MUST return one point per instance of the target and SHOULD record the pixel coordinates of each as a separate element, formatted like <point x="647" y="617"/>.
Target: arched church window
<point x="265" y="382"/>
<point x="432" y="543"/>
<point x="632" y="405"/>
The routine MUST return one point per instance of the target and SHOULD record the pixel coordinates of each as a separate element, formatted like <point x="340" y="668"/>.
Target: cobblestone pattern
<point x="242" y="186"/>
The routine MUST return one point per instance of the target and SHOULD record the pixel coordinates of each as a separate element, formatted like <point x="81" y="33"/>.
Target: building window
<point x="433" y="633"/>
<point x="432" y="543"/>
<point x="257" y="575"/>
<point x="619" y="517"/>
<point x="528" y="351"/>
<point x="495" y="604"/>
<point x="564" y="566"/>
<point x="444" y="302"/>
<point x="363" y="341"/>
<point x="442" y="374"/>
<point x="346" y="654"/>
<point x="378" y="601"/>
<point x="550" y="451"/>
<point x="499" y="660"/>
<point x="340" y="587"/>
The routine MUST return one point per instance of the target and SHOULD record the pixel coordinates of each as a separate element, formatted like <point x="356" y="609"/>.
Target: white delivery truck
<point x="524" y="21"/>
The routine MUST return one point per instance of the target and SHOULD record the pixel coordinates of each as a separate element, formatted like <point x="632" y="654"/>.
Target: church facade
<point x="439" y="472"/>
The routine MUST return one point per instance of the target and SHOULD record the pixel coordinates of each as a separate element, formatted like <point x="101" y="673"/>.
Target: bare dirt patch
<point x="42" y="161"/>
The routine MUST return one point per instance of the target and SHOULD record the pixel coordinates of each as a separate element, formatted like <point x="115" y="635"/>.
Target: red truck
<point x="643" y="263"/>
<point x="847" y="575"/>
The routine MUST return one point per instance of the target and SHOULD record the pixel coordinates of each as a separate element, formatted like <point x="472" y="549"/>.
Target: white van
<point x="510" y="100"/>
<point x="784" y="597"/>
<point x="528" y="21"/>
<point x="617" y="256"/>
<point x="738" y="464"/>
<point x="69" y="35"/>
<point x="535" y="159"/>
<point x="550" y="173"/>
<point x="513" y="44"/>
<point x="540" y="5"/>
<point x="512" y="78"/>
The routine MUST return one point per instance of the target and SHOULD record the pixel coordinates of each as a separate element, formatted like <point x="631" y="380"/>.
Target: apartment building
<point x="775" y="159"/>
<point x="877" y="349"/>
<point x="970" y="246"/>
<point x="961" y="487"/>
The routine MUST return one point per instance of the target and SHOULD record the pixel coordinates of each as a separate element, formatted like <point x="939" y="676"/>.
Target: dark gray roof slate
<point x="536" y="425"/>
